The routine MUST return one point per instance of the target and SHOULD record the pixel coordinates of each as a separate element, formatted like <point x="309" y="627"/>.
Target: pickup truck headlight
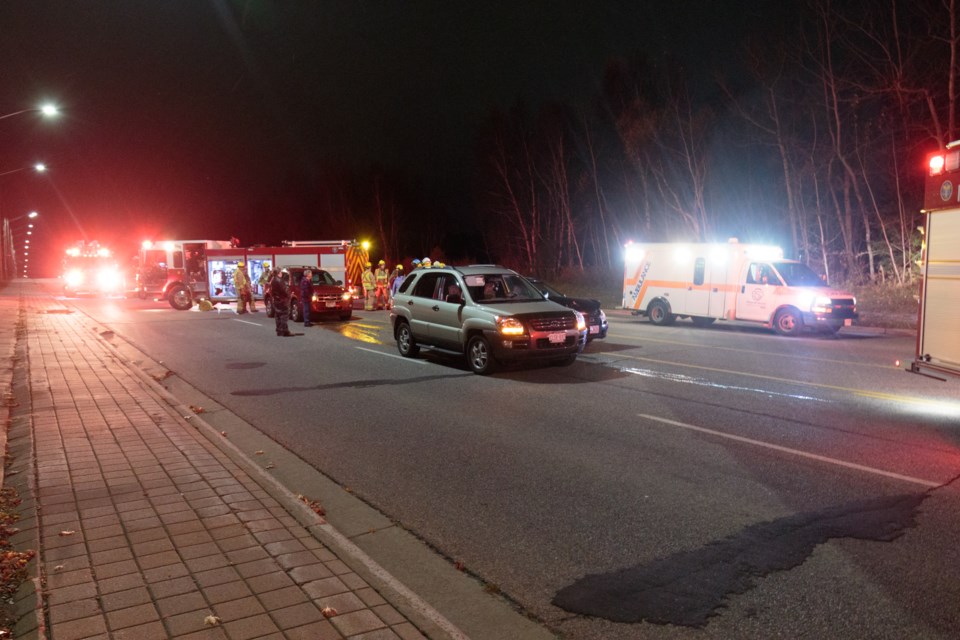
<point x="508" y="326"/>
<point x="581" y="321"/>
<point x="346" y="296"/>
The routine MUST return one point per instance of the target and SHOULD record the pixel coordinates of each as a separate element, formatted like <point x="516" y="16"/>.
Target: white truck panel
<point x="938" y="341"/>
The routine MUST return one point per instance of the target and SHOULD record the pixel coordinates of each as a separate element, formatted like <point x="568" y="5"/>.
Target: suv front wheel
<point x="480" y="356"/>
<point x="406" y="345"/>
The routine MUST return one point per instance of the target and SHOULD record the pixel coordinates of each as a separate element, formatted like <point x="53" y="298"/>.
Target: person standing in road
<point x="369" y="283"/>
<point x="382" y="277"/>
<point x="396" y="279"/>
<point x="242" y="286"/>
<point x="306" y="295"/>
<point x="281" y="302"/>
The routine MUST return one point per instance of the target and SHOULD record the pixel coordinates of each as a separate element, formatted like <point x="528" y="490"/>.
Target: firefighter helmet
<point x="415" y="262"/>
<point x="426" y="261"/>
<point x="399" y="267"/>
<point x="369" y="264"/>
<point x="382" y="262"/>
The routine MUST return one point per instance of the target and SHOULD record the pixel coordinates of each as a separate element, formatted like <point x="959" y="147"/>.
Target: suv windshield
<point x="796" y="274"/>
<point x="501" y="287"/>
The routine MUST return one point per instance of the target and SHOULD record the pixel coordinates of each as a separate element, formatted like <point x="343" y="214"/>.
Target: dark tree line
<point x="817" y="146"/>
<point x="819" y="150"/>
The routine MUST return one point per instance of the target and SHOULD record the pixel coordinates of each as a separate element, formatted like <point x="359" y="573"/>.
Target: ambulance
<point x="938" y="337"/>
<point x="745" y="282"/>
<point x="184" y="271"/>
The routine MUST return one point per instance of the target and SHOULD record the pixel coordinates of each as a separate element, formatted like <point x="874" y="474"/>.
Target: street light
<point x="46" y="110"/>
<point x="38" y="167"/>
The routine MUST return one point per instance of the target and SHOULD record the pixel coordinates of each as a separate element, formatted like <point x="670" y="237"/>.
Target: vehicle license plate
<point x="557" y="338"/>
<point x="595" y="329"/>
<point x="331" y="303"/>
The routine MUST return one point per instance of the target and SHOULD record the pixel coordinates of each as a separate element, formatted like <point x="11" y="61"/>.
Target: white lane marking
<point x="256" y="324"/>
<point x="796" y="452"/>
<point x="391" y="355"/>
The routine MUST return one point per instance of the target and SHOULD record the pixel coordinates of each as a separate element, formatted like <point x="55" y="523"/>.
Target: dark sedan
<point x="596" y="318"/>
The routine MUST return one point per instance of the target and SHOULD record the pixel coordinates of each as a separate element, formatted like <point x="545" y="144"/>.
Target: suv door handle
<point x="436" y="307"/>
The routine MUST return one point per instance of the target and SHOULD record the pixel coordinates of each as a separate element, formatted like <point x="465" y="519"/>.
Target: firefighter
<point x="369" y="283"/>
<point x="281" y="302"/>
<point x="242" y="286"/>
<point x="427" y="263"/>
<point x="382" y="279"/>
<point x="265" y="275"/>
<point x="415" y="264"/>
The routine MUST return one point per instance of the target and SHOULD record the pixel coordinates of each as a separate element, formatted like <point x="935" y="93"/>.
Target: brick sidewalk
<point x="147" y="528"/>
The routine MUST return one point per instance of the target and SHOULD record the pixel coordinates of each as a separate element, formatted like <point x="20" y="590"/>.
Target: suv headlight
<point x="581" y="321"/>
<point x="508" y="326"/>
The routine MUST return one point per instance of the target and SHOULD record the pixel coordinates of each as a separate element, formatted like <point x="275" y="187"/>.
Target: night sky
<point x="210" y="119"/>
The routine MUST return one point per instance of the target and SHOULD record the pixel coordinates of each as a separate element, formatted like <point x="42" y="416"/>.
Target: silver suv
<point x="489" y="313"/>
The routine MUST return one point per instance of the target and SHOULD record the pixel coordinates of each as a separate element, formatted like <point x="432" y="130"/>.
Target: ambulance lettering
<point x="643" y="276"/>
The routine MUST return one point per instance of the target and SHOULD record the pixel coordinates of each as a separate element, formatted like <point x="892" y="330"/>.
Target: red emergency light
<point x="936" y="165"/>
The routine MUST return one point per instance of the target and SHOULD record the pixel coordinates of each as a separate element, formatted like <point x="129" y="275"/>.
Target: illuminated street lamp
<point x="46" y="110"/>
<point x="38" y="167"/>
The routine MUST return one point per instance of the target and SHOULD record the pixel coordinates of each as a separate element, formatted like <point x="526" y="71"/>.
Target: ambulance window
<point x="698" y="269"/>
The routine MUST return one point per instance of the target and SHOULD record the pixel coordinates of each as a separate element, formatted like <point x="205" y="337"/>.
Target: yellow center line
<point x="753" y="351"/>
<point x="760" y="376"/>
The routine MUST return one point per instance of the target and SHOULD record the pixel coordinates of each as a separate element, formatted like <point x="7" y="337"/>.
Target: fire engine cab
<point x="938" y="338"/>
<point x="89" y="268"/>
<point x="185" y="271"/>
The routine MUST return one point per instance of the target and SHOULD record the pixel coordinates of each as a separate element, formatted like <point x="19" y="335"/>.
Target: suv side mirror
<point x="339" y="283"/>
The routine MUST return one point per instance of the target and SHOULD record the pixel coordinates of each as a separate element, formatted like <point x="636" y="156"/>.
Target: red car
<point x="329" y="296"/>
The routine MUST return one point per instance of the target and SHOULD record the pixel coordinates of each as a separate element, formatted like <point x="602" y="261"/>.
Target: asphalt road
<point x="675" y="482"/>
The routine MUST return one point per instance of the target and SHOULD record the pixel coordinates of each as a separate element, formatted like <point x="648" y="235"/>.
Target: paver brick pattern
<point x="147" y="527"/>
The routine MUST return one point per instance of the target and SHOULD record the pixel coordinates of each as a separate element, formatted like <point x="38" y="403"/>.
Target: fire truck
<point x="938" y="337"/>
<point x="89" y="268"/>
<point x="185" y="271"/>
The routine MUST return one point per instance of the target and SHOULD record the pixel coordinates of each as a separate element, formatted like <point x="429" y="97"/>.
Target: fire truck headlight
<point x="108" y="279"/>
<point x="73" y="278"/>
<point x="508" y="326"/>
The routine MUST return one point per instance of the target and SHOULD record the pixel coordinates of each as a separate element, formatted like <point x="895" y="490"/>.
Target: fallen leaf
<point x="328" y="612"/>
<point x="259" y="452"/>
<point x="223" y="433"/>
<point x="212" y="621"/>
<point x="67" y="533"/>
<point x="270" y="466"/>
<point x="459" y="566"/>
<point x="196" y="409"/>
<point x="59" y="567"/>
<point x="313" y="504"/>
